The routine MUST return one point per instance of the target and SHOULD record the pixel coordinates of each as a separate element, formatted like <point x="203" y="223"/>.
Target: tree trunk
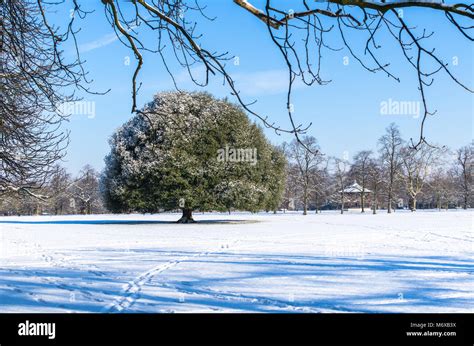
<point x="342" y="203"/>
<point x="374" y="202"/>
<point x="389" y="205"/>
<point x="362" y="201"/>
<point x="305" y="203"/>
<point x="187" y="216"/>
<point x="413" y="204"/>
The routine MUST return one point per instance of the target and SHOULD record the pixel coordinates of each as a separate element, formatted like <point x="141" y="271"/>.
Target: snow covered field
<point x="403" y="262"/>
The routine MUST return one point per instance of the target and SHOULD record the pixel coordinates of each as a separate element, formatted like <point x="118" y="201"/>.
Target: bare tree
<point x="57" y="190"/>
<point x="34" y="82"/>
<point x="86" y="190"/>
<point x="360" y="171"/>
<point x="301" y="35"/>
<point x="9" y="204"/>
<point x="61" y="195"/>
<point x="320" y="183"/>
<point x="440" y="188"/>
<point x="307" y="157"/>
<point x="292" y="187"/>
<point x="341" y="170"/>
<point x="463" y="168"/>
<point x="375" y="181"/>
<point x="390" y="145"/>
<point x="417" y="164"/>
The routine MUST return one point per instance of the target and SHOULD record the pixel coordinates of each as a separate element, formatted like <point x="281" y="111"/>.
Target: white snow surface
<point x="285" y="262"/>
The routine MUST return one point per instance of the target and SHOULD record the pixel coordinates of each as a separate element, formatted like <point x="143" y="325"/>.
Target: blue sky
<point x="345" y="113"/>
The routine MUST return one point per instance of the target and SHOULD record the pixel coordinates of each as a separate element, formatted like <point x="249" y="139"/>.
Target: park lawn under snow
<point x="401" y="262"/>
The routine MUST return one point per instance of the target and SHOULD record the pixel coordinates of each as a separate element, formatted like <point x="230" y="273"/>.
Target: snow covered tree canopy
<point x="191" y="151"/>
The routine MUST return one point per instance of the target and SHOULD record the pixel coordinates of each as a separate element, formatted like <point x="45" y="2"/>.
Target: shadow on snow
<point x="50" y="288"/>
<point x="121" y="222"/>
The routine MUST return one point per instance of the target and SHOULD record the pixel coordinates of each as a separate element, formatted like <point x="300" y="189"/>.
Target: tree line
<point x="395" y="175"/>
<point x="63" y="194"/>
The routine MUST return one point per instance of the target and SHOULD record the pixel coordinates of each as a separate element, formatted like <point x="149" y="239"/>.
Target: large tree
<point x="191" y="151"/>
<point x="306" y="157"/>
<point x="375" y="181"/>
<point x="390" y="145"/>
<point x="85" y="191"/>
<point x="320" y="182"/>
<point x="417" y="165"/>
<point x="440" y="191"/>
<point x="276" y="179"/>
<point x="57" y="191"/>
<point x="292" y="187"/>
<point x="463" y="169"/>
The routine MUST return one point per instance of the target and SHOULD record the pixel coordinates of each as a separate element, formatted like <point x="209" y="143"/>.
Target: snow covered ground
<point x="402" y="262"/>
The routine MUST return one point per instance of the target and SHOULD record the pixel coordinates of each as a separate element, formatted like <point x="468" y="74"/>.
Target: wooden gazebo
<point x="353" y="194"/>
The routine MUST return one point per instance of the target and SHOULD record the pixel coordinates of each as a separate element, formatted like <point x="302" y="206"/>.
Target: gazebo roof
<point x="355" y="188"/>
